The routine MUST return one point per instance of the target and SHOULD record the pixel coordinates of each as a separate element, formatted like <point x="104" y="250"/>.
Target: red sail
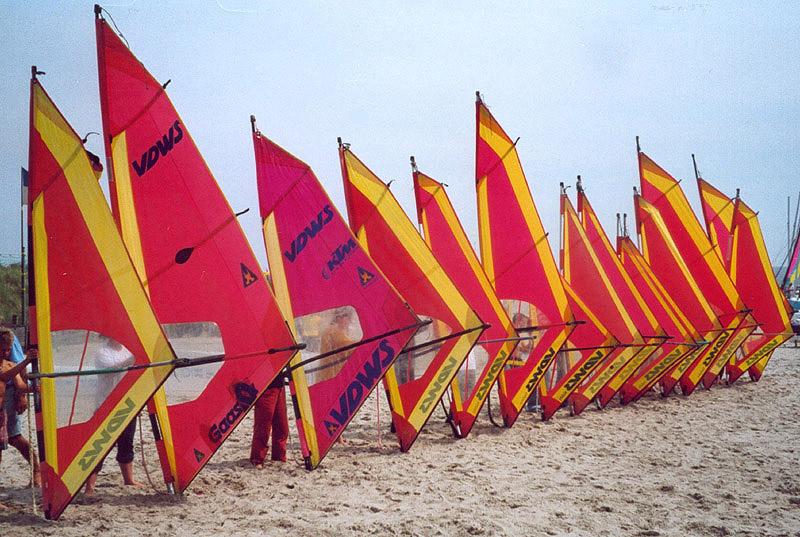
<point x="88" y="303"/>
<point x="449" y="243"/>
<point x="335" y="293"/>
<point x="751" y="271"/>
<point x="701" y="259"/>
<point x="518" y="261"/>
<point x="193" y="258"/>
<point x="420" y="377"/>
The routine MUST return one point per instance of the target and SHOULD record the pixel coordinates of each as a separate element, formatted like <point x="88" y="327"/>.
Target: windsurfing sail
<point x="751" y="271"/>
<point x="721" y="216"/>
<point x="516" y="255"/>
<point x="684" y="340"/>
<point x="353" y="327"/>
<point x="419" y="378"/>
<point x="672" y="271"/>
<point x="581" y="268"/>
<point x="661" y="190"/>
<point x="448" y="241"/>
<point x="87" y="297"/>
<point x="202" y="278"/>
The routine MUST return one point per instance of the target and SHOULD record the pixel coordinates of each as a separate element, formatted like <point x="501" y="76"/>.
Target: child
<point x="10" y="373"/>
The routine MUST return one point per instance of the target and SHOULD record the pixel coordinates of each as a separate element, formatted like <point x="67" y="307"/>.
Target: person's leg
<point x="15" y="436"/>
<point x="125" y="454"/>
<point x="280" y="426"/>
<point x="262" y="425"/>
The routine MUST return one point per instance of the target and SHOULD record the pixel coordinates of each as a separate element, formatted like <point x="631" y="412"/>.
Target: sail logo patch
<point x="338" y="257"/>
<point x="245" y="396"/>
<point x="248" y="276"/>
<point x="158" y="149"/>
<point x="199" y="455"/>
<point x="114" y="424"/>
<point x="365" y="277"/>
<point x="308" y="233"/>
<point x="352" y="396"/>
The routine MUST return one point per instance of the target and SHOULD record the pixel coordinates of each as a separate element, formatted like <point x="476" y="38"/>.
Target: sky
<point x="576" y="81"/>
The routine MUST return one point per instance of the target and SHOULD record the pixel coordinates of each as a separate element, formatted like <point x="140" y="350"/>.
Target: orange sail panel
<point x="449" y="243"/>
<point x="189" y="250"/>
<point x="421" y="375"/>
<point x="751" y="271"/>
<point x="518" y="261"/>
<point x="670" y="318"/>
<point x="88" y="302"/>
<point x="586" y="276"/>
<point x="701" y="259"/>
<point x="338" y="298"/>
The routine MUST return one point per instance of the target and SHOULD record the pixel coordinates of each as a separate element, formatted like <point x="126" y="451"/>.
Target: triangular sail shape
<point x="193" y="258"/>
<point x="420" y="377"/>
<point x="316" y="267"/>
<point x="665" y="193"/>
<point x="632" y="301"/>
<point x="86" y="291"/>
<point x="581" y="268"/>
<point x="792" y="275"/>
<point x="718" y="216"/>
<point x="516" y="255"/>
<point x="449" y="243"/>
<point x="672" y="271"/>
<point x="751" y="271"/>
<point x="670" y="318"/>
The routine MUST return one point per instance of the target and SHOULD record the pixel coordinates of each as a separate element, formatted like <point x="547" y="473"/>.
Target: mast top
<point x="478" y="97"/>
<point x="253" y="124"/>
<point x="638" y="147"/>
<point x="579" y="185"/>
<point x="98" y="11"/>
<point x="413" y="164"/>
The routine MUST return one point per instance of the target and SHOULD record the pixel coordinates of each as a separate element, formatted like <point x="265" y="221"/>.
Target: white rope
<point x="144" y="461"/>
<point x="31" y="456"/>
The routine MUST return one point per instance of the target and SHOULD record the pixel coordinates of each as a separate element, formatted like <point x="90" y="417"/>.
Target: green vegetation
<point x="9" y="293"/>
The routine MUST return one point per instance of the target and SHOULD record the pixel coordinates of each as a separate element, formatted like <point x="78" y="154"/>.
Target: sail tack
<point x="448" y="241"/>
<point x="187" y="246"/>
<point x="87" y="297"/>
<point x="335" y="294"/>
<point x="418" y="379"/>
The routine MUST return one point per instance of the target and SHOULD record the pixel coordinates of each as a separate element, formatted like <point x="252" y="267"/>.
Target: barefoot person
<point x="111" y="355"/>
<point x="14" y="398"/>
<point x="269" y="416"/>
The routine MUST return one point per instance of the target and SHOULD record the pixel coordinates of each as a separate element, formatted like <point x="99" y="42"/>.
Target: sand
<point x="721" y="462"/>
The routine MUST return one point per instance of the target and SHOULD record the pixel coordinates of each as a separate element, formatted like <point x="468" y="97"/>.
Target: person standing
<point x="113" y="355"/>
<point x="269" y="416"/>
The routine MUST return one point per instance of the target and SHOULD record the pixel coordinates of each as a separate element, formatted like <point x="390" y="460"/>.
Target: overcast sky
<point x="576" y="82"/>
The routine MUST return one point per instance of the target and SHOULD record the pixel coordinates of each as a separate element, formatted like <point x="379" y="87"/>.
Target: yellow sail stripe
<point x="48" y="386"/>
<point x="284" y="301"/>
<point x="666" y="362"/>
<point x="600" y="380"/>
<point x="484" y="233"/>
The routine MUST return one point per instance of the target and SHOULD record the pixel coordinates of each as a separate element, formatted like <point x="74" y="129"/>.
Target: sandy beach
<point x="721" y="462"/>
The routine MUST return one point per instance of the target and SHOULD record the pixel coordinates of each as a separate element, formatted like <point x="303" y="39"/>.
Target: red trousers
<point x="270" y="414"/>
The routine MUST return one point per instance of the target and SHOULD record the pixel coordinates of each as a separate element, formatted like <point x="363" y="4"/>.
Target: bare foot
<point x="258" y="466"/>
